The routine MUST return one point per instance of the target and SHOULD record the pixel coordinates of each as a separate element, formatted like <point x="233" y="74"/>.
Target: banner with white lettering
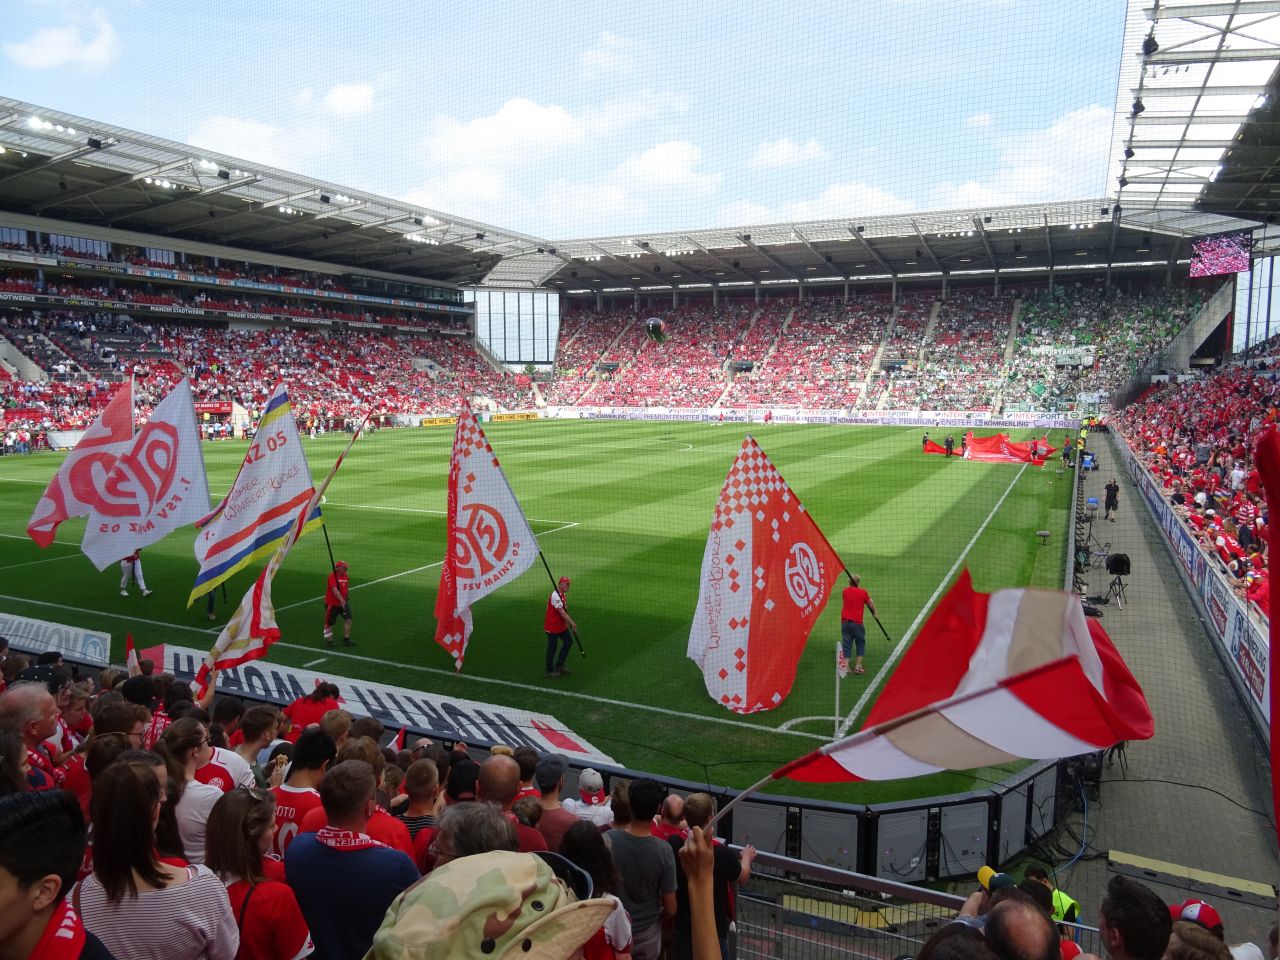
<point x="40" y="636"/>
<point x="425" y="714"/>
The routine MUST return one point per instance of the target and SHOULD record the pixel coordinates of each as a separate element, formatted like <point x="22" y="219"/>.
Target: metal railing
<point x="799" y="910"/>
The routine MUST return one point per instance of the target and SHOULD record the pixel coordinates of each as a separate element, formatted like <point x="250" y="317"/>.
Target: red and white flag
<point x="131" y="656"/>
<point x="253" y="628"/>
<point x="767" y="574"/>
<point x="1267" y="457"/>
<point x="397" y="742"/>
<point x="155" y="487"/>
<point x="1018" y="673"/>
<point x="75" y="488"/>
<point x="489" y="540"/>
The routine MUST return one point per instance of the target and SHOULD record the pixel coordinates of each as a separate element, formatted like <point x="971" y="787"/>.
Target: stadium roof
<point x="61" y="166"/>
<point x="1196" y="115"/>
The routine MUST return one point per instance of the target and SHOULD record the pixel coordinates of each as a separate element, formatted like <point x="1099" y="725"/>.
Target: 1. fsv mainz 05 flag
<point x="489" y="540"/>
<point x="75" y="488"/>
<point x="253" y="628"/>
<point x="1018" y="673"/>
<point x="767" y="574"/>
<point x="155" y="487"/>
<point x="273" y="484"/>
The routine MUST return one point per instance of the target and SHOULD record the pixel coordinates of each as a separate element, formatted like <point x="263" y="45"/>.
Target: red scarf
<point x="344" y="840"/>
<point x="39" y="760"/>
<point x="63" y="937"/>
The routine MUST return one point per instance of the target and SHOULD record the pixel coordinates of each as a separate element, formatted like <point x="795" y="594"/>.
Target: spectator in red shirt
<point x="30" y="709"/>
<point x="311" y="709"/>
<point x="239" y="835"/>
<point x="300" y="794"/>
<point x="381" y="826"/>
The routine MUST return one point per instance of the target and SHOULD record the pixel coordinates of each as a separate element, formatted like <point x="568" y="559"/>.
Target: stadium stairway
<point x="1197" y="795"/>
<point x="929" y="327"/>
<point x="1011" y="342"/>
<point x="874" y="368"/>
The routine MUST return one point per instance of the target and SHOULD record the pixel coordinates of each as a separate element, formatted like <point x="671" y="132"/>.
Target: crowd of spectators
<point x="1123" y="332"/>
<point x="333" y="376"/>
<point x="141" y="823"/>
<point x="1197" y="439"/>
<point x="136" y="822"/>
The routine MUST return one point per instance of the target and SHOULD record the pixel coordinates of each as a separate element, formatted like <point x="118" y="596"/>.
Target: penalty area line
<point x="924" y="611"/>
<point x="552" y="691"/>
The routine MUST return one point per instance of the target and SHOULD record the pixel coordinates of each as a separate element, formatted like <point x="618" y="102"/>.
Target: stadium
<point x="1030" y="351"/>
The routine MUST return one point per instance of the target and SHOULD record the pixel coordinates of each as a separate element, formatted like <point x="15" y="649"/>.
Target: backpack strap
<point x="244" y="904"/>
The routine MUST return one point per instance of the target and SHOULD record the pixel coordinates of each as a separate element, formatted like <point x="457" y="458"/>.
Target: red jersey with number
<point x="338" y="584"/>
<point x="292" y="805"/>
<point x="554" y="621"/>
<point x="853" y="600"/>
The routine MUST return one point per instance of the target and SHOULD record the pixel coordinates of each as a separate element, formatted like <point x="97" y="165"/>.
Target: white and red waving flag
<point x="75" y="488"/>
<point x="1018" y="673"/>
<point x="131" y="656"/>
<point x="253" y="628"/>
<point x="155" y="487"/>
<point x="489" y="541"/>
<point x="767" y="573"/>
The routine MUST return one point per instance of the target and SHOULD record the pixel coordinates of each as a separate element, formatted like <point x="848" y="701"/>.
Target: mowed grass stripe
<point x="643" y="503"/>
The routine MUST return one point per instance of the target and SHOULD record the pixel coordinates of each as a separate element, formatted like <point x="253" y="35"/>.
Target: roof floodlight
<point x="1149" y="45"/>
<point x="1128" y="153"/>
<point x="1138" y="106"/>
<point x="1123" y="183"/>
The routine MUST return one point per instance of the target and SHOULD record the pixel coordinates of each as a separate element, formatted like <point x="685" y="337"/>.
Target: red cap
<point x="340" y="563"/>
<point x="565" y="581"/>
<point x="1197" y="911"/>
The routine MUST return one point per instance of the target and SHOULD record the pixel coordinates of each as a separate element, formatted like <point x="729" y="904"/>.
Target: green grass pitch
<point x="623" y="509"/>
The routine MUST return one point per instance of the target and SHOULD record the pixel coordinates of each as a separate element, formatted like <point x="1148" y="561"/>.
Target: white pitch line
<point x="22" y="480"/>
<point x="405" y="573"/>
<point x="906" y="637"/>
<point x="532" y="688"/>
<point x="104" y="613"/>
<point x="312" y="663"/>
<point x="56" y="543"/>
<point x="32" y="563"/>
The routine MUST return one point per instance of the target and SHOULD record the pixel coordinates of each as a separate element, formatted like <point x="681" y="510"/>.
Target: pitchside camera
<point x="1118" y="564"/>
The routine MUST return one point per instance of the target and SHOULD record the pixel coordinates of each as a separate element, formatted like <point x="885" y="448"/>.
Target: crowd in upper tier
<point x="970" y="351"/>
<point x="1197" y="439"/>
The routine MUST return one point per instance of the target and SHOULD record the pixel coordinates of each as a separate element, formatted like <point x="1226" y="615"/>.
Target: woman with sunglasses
<point x="138" y="906"/>
<point x="238" y="836"/>
<point x="186" y="747"/>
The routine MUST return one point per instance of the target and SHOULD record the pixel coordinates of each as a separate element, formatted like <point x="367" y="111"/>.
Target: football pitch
<point x="623" y="509"/>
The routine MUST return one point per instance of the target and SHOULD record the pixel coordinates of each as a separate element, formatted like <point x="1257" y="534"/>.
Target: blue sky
<point x="569" y="119"/>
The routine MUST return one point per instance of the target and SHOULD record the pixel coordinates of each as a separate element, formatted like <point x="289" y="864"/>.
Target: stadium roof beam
<point x="857" y="234"/>
<point x="661" y="255"/>
<point x="184" y="197"/>
<point x="119" y="181"/>
<point x="1048" y="243"/>
<point x="1172" y="57"/>
<point x="338" y="211"/>
<point x="726" y="265"/>
<point x="928" y="249"/>
<point x="1180" y="11"/>
<point x="778" y="264"/>
<point x="823" y="259"/>
<point x="986" y="243"/>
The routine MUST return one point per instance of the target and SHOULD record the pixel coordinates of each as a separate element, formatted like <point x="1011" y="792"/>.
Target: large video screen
<point x="1221" y="253"/>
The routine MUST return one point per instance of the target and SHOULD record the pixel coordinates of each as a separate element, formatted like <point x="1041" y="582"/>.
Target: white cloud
<point x="290" y="148"/>
<point x="1067" y="159"/>
<point x="980" y="121"/>
<point x="349" y="99"/>
<point x="786" y="152"/>
<point x="848" y="199"/>
<point x="519" y="131"/>
<point x="671" y="165"/>
<point x="611" y="54"/>
<point x="89" y="46"/>
<point x="631" y="110"/>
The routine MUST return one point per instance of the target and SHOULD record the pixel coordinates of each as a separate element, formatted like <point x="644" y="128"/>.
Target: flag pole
<point x="881" y="626"/>
<point x="556" y="587"/>
<point x="835" y="735"/>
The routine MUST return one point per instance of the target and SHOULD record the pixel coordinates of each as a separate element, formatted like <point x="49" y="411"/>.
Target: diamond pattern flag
<point x="767" y="574"/>
<point x="489" y="540"/>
